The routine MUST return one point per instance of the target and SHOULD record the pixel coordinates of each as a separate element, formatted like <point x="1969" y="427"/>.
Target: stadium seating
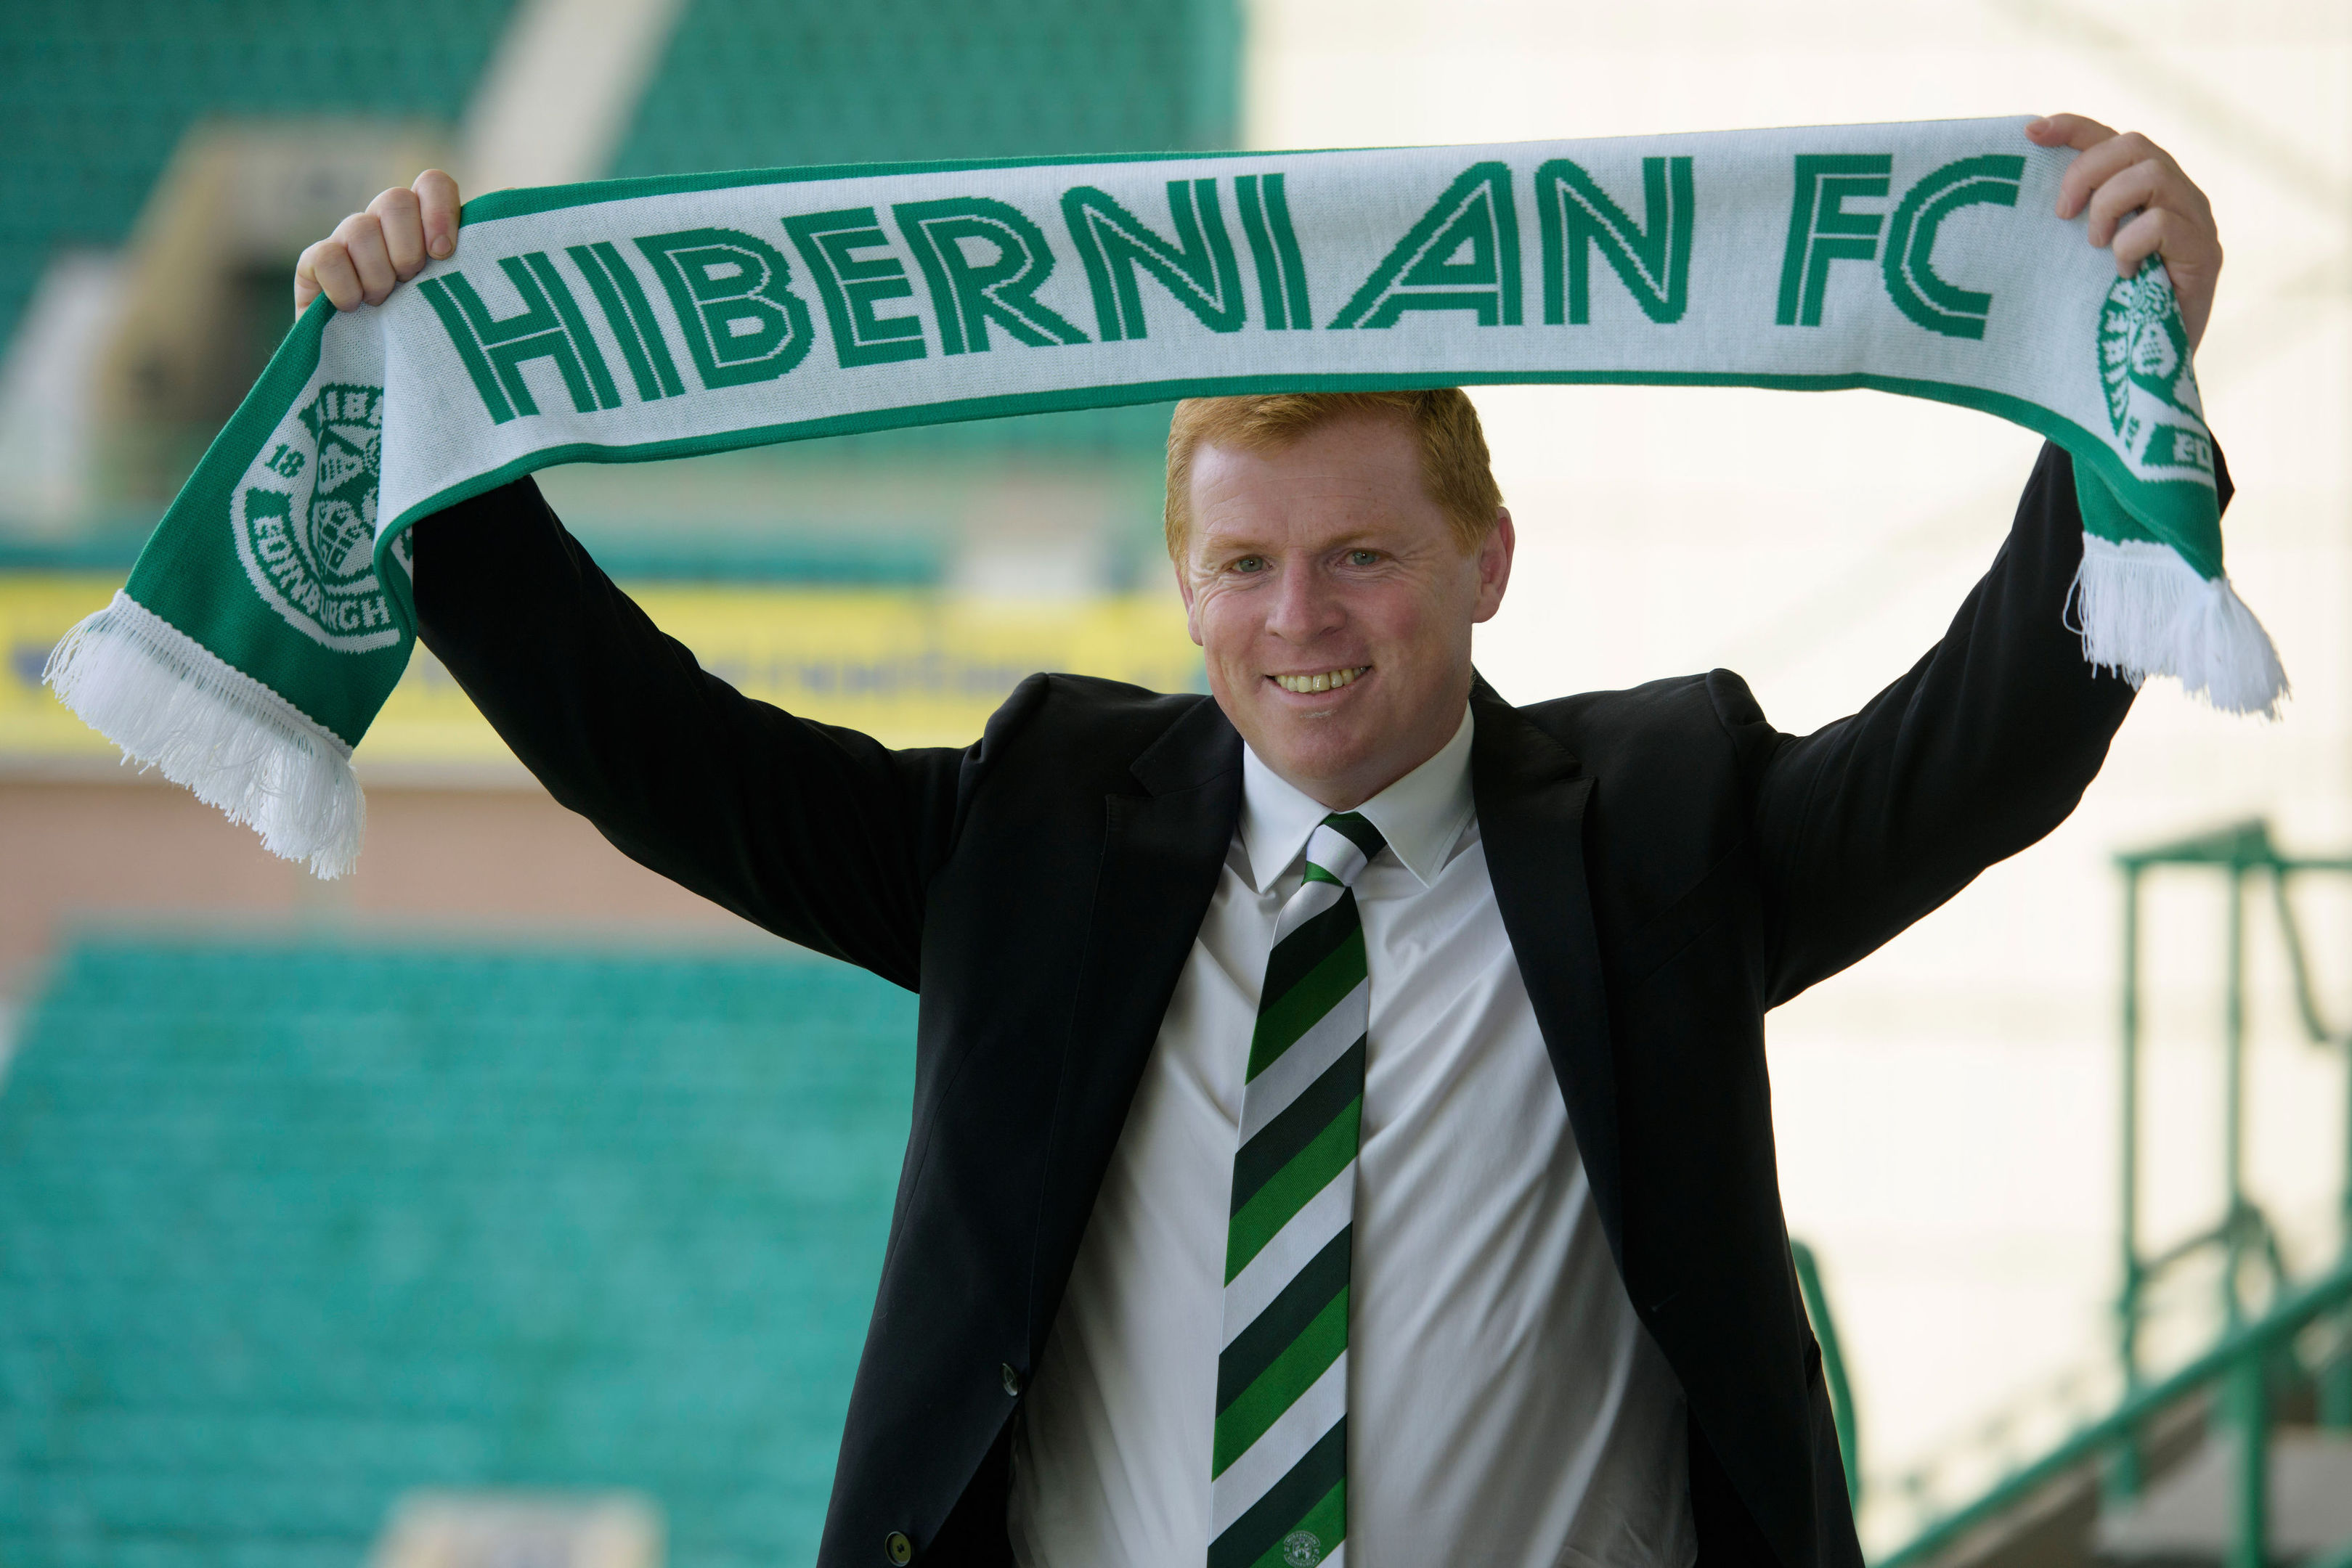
<point x="288" y="1228"/>
<point x="94" y="95"/>
<point x="756" y="83"/>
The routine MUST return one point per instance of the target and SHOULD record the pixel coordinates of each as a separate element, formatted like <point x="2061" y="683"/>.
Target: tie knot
<point x="1342" y="844"/>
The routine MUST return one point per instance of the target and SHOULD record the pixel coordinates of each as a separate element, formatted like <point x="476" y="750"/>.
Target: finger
<point x="436" y="196"/>
<point x="2157" y="232"/>
<point x="396" y="212"/>
<point x="362" y="237"/>
<point x="2191" y="255"/>
<point x="2076" y="130"/>
<point x="306" y="280"/>
<point x="2102" y="163"/>
<point x="2138" y="186"/>
<point x="327" y="268"/>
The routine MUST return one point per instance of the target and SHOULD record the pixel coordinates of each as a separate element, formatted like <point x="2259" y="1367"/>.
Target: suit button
<point x="897" y="1548"/>
<point x="1012" y="1380"/>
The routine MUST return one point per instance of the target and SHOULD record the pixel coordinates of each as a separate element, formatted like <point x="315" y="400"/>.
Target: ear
<point x="1495" y="565"/>
<point x="1191" y="610"/>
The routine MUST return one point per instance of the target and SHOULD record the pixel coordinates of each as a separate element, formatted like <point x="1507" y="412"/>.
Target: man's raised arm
<point x="1989" y="742"/>
<point x="822" y="835"/>
<point x="1978" y="750"/>
<point x="819" y="834"/>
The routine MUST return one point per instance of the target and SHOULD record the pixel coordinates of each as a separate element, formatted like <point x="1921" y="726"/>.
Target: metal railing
<point x="2245" y="1365"/>
<point x="2242" y="1234"/>
<point x="2244" y="1362"/>
<point x="1817" y="1308"/>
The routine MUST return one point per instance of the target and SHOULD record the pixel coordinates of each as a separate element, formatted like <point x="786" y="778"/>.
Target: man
<point x="1341" y="1126"/>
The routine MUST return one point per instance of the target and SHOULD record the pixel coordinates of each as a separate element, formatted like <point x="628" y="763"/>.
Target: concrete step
<point x="2191" y="1514"/>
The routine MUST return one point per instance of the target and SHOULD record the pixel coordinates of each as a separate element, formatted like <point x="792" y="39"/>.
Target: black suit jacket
<point x="1669" y="867"/>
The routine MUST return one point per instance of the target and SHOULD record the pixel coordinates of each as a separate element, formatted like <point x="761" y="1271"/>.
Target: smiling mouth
<point x="1322" y="680"/>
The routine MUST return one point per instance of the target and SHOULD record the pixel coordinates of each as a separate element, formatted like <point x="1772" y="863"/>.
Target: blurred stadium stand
<point x="96" y="94"/>
<point x="289" y="1228"/>
<point x="910" y="80"/>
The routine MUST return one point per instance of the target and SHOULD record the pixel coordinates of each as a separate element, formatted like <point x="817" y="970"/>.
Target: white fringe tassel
<point x="172" y="706"/>
<point x="2146" y="612"/>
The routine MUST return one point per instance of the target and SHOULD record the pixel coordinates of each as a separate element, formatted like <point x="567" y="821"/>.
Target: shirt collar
<point x="1422" y="814"/>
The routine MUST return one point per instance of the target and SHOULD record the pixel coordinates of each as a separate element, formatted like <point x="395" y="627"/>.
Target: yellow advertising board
<point x="909" y="667"/>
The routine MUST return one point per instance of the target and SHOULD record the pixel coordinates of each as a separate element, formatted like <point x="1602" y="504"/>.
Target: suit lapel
<point x="1531" y="793"/>
<point x="1163" y="848"/>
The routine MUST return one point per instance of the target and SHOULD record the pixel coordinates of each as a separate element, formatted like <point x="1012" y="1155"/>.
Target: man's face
<point x="1327" y="567"/>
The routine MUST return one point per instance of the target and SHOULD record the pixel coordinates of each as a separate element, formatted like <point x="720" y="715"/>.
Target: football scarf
<point x="269" y="616"/>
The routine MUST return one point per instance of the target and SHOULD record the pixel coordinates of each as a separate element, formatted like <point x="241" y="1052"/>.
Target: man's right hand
<point x="371" y="252"/>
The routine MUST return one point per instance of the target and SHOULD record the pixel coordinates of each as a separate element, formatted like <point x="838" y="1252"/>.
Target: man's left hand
<point x="2119" y="176"/>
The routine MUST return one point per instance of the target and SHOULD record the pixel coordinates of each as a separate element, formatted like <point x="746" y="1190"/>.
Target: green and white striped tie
<point x="1279" y="1484"/>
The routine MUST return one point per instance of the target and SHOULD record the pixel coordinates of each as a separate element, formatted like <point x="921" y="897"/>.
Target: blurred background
<point x="503" y="1198"/>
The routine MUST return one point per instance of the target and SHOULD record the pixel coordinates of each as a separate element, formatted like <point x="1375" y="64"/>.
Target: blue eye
<point x="1250" y="563"/>
<point x="1363" y="557"/>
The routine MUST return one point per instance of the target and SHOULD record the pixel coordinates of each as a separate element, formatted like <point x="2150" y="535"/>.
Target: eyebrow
<point x="1247" y="544"/>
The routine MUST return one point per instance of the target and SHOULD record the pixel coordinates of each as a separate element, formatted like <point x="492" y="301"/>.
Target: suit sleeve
<point x="1979" y="749"/>
<point x="820" y="835"/>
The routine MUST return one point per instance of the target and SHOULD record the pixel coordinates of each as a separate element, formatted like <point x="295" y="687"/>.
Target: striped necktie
<point x="1279" y="1487"/>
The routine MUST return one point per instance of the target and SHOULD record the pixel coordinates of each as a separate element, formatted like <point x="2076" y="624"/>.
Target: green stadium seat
<point x="94" y="95"/>
<point x="292" y="1228"/>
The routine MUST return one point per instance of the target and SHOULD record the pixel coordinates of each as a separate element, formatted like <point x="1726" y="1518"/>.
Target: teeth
<point x="1326" y="681"/>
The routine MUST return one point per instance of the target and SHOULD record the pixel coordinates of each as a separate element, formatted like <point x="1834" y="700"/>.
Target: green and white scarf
<point x="270" y="615"/>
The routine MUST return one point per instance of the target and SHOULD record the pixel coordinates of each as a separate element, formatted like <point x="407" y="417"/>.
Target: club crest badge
<point x="2151" y="388"/>
<point x="1302" y="1549"/>
<point x="304" y="518"/>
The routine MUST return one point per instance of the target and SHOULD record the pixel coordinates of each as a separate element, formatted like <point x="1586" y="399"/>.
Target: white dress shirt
<point x="1505" y="1408"/>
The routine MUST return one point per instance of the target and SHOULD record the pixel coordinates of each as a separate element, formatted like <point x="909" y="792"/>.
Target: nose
<point x="1306" y="606"/>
